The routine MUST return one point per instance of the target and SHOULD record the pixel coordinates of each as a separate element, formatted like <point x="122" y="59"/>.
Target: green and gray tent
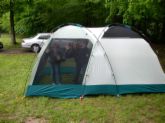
<point x="80" y="61"/>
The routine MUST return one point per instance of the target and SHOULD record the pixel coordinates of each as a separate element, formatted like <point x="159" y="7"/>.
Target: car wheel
<point x="36" y="48"/>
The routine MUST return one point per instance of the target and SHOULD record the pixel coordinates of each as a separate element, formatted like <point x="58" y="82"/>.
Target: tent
<point x="80" y="61"/>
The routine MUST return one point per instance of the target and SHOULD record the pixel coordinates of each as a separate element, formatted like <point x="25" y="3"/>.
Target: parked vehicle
<point x="1" y="45"/>
<point x="35" y="43"/>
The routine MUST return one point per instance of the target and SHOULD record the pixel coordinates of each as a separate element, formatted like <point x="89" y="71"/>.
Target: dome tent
<point x="118" y="61"/>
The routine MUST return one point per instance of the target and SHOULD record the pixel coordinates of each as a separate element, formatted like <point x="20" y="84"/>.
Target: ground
<point x="160" y="51"/>
<point x="15" y="67"/>
<point x="15" y="51"/>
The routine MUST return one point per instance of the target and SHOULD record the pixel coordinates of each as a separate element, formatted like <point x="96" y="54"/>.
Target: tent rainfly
<point x="80" y="61"/>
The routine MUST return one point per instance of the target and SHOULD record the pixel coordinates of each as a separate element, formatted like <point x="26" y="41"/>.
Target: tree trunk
<point x="163" y="31"/>
<point x="12" y="30"/>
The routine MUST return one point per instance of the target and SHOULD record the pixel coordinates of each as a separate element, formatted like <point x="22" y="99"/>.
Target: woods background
<point x="33" y="16"/>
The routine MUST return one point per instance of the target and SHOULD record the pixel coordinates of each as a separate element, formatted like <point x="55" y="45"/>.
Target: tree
<point x="8" y="6"/>
<point x="94" y="12"/>
<point x="12" y="30"/>
<point x="145" y="15"/>
<point x="28" y="17"/>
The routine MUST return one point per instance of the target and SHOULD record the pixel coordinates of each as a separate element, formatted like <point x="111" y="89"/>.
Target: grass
<point x="7" y="42"/>
<point x="15" y="108"/>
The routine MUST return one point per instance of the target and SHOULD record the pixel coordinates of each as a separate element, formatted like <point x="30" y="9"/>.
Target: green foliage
<point x="116" y="10"/>
<point x="94" y="13"/>
<point x="33" y="16"/>
<point x="4" y="6"/>
<point x="43" y="15"/>
<point x="4" y="22"/>
<point x="146" y="15"/>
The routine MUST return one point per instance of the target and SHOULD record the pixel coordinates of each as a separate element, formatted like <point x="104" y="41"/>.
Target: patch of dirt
<point x="4" y="117"/>
<point x="15" y="51"/>
<point x="35" y="120"/>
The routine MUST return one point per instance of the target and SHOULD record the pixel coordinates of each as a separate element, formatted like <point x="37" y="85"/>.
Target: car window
<point x="44" y="37"/>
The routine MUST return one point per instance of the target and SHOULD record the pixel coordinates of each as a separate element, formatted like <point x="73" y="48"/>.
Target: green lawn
<point x="7" y="41"/>
<point x="15" y="108"/>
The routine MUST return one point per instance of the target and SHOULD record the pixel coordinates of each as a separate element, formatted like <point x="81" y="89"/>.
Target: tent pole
<point x="107" y="59"/>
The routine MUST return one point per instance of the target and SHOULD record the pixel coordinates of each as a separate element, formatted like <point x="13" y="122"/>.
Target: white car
<point x="35" y="43"/>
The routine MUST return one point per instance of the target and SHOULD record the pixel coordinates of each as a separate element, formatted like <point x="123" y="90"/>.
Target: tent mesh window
<point x="120" y="31"/>
<point x="64" y="62"/>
